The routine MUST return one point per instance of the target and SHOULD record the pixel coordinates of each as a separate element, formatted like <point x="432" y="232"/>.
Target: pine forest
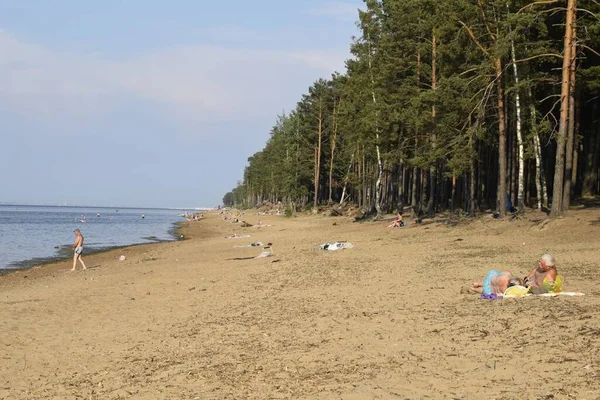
<point x="462" y="106"/>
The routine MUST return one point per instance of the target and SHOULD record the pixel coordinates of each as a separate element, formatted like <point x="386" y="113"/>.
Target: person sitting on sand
<point x="398" y="222"/>
<point x="496" y="283"/>
<point x="544" y="271"/>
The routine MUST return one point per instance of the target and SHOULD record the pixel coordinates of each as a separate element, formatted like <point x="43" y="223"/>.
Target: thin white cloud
<point x="337" y="9"/>
<point x="204" y="83"/>
<point x="333" y="62"/>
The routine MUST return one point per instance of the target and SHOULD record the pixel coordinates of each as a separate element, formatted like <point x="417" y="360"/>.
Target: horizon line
<point x="10" y="203"/>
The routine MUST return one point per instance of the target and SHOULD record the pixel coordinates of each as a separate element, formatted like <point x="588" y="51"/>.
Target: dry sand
<point x="385" y="319"/>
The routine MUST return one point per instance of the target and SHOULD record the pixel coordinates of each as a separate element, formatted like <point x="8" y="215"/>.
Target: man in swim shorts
<point x="77" y="249"/>
<point x="495" y="282"/>
<point x="546" y="269"/>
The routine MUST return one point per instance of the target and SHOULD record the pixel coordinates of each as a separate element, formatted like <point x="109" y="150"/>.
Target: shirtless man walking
<point x="77" y="249"/>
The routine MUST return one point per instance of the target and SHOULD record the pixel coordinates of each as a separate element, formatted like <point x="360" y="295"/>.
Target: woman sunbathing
<point x="496" y="283"/>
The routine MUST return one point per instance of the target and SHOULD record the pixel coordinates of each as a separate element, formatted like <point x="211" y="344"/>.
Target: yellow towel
<point x="516" y="291"/>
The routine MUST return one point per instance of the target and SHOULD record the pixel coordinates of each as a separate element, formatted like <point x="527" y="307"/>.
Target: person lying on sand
<point x="268" y="252"/>
<point x="545" y="270"/>
<point x="260" y="224"/>
<point x="496" y="283"/>
<point x="398" y="222"/>
<point x="236" y="236"/>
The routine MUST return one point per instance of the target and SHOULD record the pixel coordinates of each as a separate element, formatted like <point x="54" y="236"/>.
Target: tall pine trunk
<point x="415" y="173"/>
<point x="540" y="176"/>
<point x="521" y="158"/>
<point x="333" y="144"/>
<point x="575" y="149"/>
<point x="318" y="153"/>
<point x="379" y="161"/>
<point x="559" y="172"/>
<point x="346" y="179"/>
<point x="571" y="129"/>
<point x="501" y="194"/>
<point x="432" y="173"/>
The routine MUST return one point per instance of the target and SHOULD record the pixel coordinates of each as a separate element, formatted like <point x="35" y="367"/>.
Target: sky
<point x="149" y="103"/>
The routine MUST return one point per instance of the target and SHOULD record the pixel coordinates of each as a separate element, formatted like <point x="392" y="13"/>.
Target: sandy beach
<point x="385" y="319"/>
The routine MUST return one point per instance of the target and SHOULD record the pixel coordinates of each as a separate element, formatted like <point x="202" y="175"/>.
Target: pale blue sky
<point x="152" y="103"/>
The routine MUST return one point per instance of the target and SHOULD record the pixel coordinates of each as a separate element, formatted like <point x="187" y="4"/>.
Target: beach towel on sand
<point x="336" y="246"/>
<point x="255" y="244"/>
<point x="522" y="291"/>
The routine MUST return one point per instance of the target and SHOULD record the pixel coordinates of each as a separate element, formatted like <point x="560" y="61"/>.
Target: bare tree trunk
<point x="472" y="190"/>
<point x="333" y="144"/>
<point x="318" y="152"/>
<point x="538" y="172"/>
<point x="356" y="168"/>
<point x="575" y="151"/>
<point x="571" y="129"/>
<point x="346" y="180"/>
<point x="379" y="161"/>
<point x="521" y="177"/>
<point x="364" y="179"/>
<point x="590" y="163"/>
<point x="540" y="176"/>
<point x="432" y="176"/>
<point x="595" y="167"/>
<point x="472" y="143"/>
<point x="415" y="173"/>
<point x="559" y="172"/>
<point x="453" y="193"/>
<point x="501" y="196"/>
<point x="424" y="188"/>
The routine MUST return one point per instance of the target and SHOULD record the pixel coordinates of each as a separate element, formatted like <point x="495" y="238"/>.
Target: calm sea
<point x="30" y="235"/>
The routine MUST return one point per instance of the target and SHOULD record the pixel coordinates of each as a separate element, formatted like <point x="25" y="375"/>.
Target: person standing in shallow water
<point x="77" y="249"/>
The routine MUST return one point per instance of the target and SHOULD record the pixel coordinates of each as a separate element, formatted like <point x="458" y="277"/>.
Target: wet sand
<point x="385" y="319"/>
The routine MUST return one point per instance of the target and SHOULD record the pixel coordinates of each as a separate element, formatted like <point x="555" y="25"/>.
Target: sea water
<point x="30" y="235"/>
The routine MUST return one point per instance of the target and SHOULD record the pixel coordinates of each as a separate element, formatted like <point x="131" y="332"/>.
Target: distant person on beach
<point x="496" y="282"/>
<point x="544" y="271"/>
<point x="77" y="249"/>
<point x="398" y="222"/>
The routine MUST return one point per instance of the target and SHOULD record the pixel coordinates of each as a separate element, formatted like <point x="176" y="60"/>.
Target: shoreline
<point x="51" y="265"/>
<point x="24" y="265"/>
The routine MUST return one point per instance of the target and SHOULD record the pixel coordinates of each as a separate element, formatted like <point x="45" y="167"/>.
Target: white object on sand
<point x="122" y="258"/>
<point x="336" y="246"/>
<point x="265" y="254"/>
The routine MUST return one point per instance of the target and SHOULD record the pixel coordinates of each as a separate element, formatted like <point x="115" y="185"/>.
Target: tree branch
<point x="487" y="26"/>
<point x="469" y="70"/>
<point x="588" y="11"/>
<point x="538" y="3"/>
<point x="470" y="32"/>
<point x="539" y="56"/>
<point x="590" y="49"/>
